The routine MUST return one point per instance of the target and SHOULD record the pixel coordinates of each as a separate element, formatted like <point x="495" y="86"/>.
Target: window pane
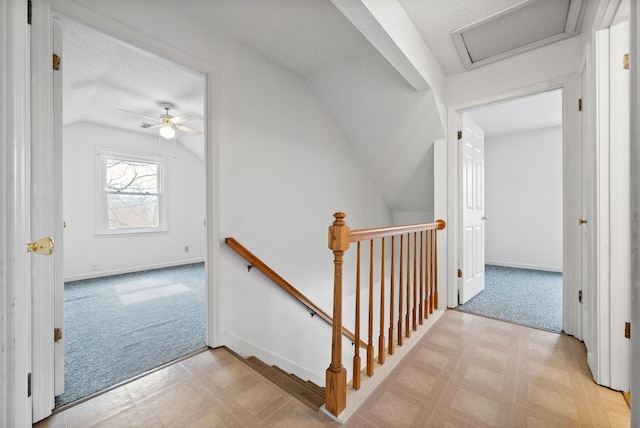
<point x="126" y="211"/>
<point x="131" y="176"/>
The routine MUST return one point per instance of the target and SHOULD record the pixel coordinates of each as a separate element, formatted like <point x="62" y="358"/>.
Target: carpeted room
<point x="133" y="289"/>
<point x="523" y="203"/>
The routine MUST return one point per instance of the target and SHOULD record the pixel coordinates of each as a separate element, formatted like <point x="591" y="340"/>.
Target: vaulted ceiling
<point x="379" y="67"/>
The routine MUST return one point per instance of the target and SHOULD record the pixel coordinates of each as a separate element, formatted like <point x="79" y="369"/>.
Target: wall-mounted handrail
<point x="285" y="285"/>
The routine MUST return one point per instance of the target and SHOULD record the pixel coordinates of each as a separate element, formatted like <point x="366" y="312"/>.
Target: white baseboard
<point x="247" y="349"/>
<point x="524" y="266"/>
<point x="103" y="273"/>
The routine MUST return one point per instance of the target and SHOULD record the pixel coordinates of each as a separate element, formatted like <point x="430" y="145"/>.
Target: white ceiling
<point x="102" y="75"/>
<point x="543" y="110"/>
<point x="313" y="39"/>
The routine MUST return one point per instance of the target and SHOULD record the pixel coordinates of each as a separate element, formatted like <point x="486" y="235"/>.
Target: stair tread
<point x="310" y="396"/>
<point x="305" y="383"/>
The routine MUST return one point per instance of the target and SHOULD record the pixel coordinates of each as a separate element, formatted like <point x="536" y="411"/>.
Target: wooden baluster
<point x="407" y="326"/>
<point x="441" y="225"/>
<point x="381" y="339"/>
<point x="400" y="288"/>
<point x="433" y="233"/>
<point x="336" y="375"/>
<point x="370" y="349"/>
<point x="434" y="269"/>
<point x="422" y="293"/>
<point x="392" y="296"/>
<point x="428" y="279"/>
<point x="356" y="356"/>
<point x="415" y="282"/>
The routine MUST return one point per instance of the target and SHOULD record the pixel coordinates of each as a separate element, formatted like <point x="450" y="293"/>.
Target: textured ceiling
<point x="102" y="75"/>
<point x="538" y="111"/>
<point x="304" y="36"/>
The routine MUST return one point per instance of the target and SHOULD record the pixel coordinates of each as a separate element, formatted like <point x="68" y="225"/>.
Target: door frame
<point x="570" y="93"/>
<point x="15" y="286"/>
<point x="42" y="97"/>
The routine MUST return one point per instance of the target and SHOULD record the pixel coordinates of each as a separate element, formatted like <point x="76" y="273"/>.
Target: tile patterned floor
<point x="467" y="371"/>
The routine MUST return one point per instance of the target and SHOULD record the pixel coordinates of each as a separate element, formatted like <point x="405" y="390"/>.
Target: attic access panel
<point x="527" y="25"/>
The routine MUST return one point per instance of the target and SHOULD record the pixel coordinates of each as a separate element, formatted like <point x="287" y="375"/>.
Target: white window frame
<point x="102" y="226"/>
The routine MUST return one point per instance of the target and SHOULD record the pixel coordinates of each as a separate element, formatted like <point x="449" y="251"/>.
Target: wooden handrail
<point x="286" y="286"/>
<point x="417" y="292"/>
<point x="381" y="232"/>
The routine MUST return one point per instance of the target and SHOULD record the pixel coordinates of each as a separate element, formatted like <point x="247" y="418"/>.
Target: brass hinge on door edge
<point x="57" y="335"/>
<point x="459" y="135"/>
<point x="625" y="62"/>
<point x="459" y="273"/>
<point x="580" y="296"/>
<point x="579" y="104"/>
<point x="627" y="330"/>
<point x="56" y="62"/>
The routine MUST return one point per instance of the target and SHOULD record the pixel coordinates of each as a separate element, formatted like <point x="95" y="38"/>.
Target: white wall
<point x="284" y="168"/>
<point x="549" y="67"/>
<point x="89" y="255"/>
<point x="534" y="69"/>
<point x="523" y="198"/>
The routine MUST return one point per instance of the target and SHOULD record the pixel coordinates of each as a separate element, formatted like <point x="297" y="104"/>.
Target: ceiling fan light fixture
<point x="167" y="131"/>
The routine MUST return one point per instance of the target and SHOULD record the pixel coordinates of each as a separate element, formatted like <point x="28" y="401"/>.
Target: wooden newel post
<point x="336" y="375"/>
<point x="441" y="225"/>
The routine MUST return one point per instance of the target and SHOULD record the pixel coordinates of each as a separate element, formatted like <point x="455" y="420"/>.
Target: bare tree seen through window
<point x="132" y="193"/>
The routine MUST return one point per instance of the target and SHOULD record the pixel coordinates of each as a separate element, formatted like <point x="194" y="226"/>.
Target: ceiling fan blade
<point x="141" y="115"/>
<point x="187" y="129"/>
<point x="146" y="125"/>
<point x="182" y="118"/>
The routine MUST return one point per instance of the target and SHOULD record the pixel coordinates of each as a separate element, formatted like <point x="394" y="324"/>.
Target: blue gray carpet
<point x="523" y="296"/>
<point x="121" y="326"/>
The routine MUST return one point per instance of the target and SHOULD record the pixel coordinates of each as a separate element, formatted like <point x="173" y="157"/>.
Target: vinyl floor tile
<point x="466" y="371"/>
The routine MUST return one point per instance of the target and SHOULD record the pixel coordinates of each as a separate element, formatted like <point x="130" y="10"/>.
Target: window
<point x="132" y="194"/>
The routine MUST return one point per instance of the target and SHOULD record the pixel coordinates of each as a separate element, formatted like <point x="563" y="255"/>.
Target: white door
<point x="620" y="208"/>
<point x="58" y="317"/>
<point x="46" y="215"/>
<point x="473" y="215"/>
<point x="586" y="221"/>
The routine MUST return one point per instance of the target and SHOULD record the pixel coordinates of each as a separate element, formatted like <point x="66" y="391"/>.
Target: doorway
<point x="523" y="211"/>
<point x="135" y="258"/>
<point x="46" y="177"/>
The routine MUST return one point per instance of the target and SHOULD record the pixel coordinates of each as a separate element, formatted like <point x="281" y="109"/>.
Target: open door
<point x="472" y="205"/>
<point x="46" y="212"/>
<point x="620" y="202"/>
<point x="59" y="225"/>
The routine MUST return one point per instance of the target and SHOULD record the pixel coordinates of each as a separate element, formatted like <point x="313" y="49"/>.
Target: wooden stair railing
<point x="416" y="291"/>
<point x="286" y="286"/>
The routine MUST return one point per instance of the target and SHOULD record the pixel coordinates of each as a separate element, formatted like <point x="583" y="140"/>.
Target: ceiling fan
<point x="167" y="123"/>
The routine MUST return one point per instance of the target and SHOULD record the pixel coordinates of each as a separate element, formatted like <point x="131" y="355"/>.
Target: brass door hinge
<point x="57" y="334"/>
<point x="625" y="62"/>
<point x="459" y="135"/>
<point x="579" y="104"/>
<point x="627" y="330"/>
<point x="580" y="296"/>
<point x="56" y="62"/>
<point x="459" y="273"/>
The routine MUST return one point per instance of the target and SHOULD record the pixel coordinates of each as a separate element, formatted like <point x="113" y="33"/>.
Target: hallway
<point x="466" y="371"/>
